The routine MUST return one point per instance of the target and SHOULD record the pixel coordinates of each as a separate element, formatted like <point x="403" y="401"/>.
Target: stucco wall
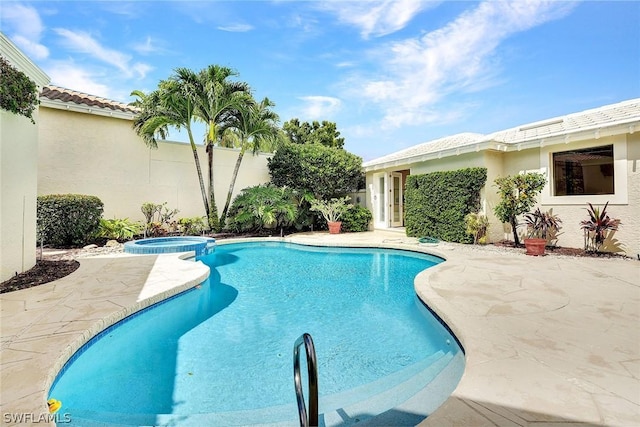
<point x="572" y="209"/>
<point x="102" y="156"/>
<point x="628" y="235"/>
<point x="18" y="177"/>
<point x="18" y="174"/>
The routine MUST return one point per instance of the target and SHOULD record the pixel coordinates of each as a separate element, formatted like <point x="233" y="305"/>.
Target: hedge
<point x="68" y="219"/>
<point x="436" y="203"/>
<point x="356" y="219"/>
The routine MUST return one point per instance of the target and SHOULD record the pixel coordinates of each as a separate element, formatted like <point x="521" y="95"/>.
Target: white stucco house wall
<point x="590" y="156"/>
<point x="18" y="174"/>
<point x="87" y="145"/>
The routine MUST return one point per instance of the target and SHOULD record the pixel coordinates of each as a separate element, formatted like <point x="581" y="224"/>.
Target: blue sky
<point x="391" y="74"/>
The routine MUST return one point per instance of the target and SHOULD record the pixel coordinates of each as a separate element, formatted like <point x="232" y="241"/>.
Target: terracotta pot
<point x="334" y="227"/>
<point x="535" y="247"/>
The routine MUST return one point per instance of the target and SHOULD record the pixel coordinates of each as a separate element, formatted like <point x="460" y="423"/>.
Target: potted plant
<point x="540" y="226"/>
<point x="331" y="211"/>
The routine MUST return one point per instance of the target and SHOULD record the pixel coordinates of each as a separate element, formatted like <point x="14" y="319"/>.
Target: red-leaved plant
<point x="597" y="227"/>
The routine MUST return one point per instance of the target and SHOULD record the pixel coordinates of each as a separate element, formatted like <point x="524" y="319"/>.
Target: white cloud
<point x="236" y="28"/>
<point x="148" y="46"/>
<point x="142" y="69"/>
<point x="24" y="26"/>
<point x="84" y="43"/>
<point x="457" y="58"/>
<point x="377" y="17"/>
<point x="319" y="107"/>
<point x="70" y="75"/>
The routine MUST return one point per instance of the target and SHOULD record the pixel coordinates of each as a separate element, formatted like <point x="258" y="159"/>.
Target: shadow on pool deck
<point x="549" y="341"/>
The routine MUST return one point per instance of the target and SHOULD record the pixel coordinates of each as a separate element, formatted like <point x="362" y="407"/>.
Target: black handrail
<point x="312" y="368"/>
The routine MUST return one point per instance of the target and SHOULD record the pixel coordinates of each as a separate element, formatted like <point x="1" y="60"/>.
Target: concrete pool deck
<point x="549" y="341"/>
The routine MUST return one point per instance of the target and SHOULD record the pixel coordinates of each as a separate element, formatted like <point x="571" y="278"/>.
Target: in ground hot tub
<point x="164" y="245"/>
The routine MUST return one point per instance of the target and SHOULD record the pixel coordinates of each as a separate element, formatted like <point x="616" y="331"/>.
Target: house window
<point x="587" y="171"/>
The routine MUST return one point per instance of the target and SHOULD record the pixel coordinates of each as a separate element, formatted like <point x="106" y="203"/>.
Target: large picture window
<point x="587" y="171"/>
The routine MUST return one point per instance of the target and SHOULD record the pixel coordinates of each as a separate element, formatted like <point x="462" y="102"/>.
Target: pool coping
<point x="506" y="351"/>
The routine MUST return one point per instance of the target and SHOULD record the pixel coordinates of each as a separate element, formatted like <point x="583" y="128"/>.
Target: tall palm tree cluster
<point x="232" y="118"/>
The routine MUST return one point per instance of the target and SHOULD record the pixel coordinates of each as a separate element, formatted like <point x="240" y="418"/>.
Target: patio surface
<point x="549" y="341"/>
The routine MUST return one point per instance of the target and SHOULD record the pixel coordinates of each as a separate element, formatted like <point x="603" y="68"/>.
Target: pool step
<point x="358" y="405"/>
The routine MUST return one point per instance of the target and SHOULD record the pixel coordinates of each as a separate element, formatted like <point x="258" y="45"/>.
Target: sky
<point x="390" y="74"/>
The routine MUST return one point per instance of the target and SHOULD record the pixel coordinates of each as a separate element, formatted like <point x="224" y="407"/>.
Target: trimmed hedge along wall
<point x="68" y="219"/>
<point x="436" y="203"/>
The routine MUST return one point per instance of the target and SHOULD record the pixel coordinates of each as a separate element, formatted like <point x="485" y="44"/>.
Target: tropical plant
<point x="192" y="226"/>
<point x="517" y="195"/>
<point x="262" y="207"/>
<point x="68" y="219"/>
<point x="477" y="226"/>
<point x="158" y="219"/>
<point x="356" y="219"/>
<point x="322" y="171"/>
<point x="18" y="93"/>
<point x="216" y="99"/>
<point x="542" y="225"/>
<point x="597" y="227"/>
<point x="253" y="122"/>
<point x="331" y="210"/>
<point x="166" y="107"/>
<point x="118" y="229"/>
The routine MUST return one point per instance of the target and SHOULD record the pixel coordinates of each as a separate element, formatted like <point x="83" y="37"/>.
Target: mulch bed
<point x="558" y="250"/>
<point x="43" y="272"/>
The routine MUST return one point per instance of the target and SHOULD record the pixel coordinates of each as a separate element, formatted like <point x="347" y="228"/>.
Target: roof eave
<point x="86" y="109"/>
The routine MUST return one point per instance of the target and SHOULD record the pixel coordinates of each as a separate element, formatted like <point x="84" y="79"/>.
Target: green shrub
<point x="262" y="207"/>
<point x="18" y="93"/>
<point x="118" y="229"/>
<point x="436" y="203"/>
<point x="356" y="219"/>
<point x="68" y="219"/>
<point x="325" y="172"/>
<point x="192" y="226"/>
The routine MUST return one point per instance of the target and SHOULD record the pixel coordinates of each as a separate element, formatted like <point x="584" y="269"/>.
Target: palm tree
<point x="254" y="123"/>
<point x="216" y="99"/>
<point x="168" y="106"/>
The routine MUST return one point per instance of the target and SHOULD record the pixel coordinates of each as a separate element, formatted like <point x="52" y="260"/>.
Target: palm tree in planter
<point x="540" y="227"/>
<point x="331" y="211"/>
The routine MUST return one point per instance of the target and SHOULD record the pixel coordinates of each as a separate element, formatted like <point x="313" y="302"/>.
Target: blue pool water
<point x="225" y="349"/>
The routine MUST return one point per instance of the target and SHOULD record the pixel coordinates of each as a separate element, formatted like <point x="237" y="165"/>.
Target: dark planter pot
<point x="535" y="247"/>
<point x="334" y="227"/>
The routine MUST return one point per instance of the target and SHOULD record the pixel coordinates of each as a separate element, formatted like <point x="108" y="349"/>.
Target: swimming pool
<point x="221" y="354"/>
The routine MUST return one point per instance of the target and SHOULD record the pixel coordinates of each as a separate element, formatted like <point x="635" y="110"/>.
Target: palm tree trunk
<point x="199" y="170"/>
<point x="213" y="209"/>
<point x="223" y="217"/>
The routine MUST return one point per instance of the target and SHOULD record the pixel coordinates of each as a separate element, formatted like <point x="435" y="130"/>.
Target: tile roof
<point x="622" y="113"/>
<point x="608" y="115"/>
<point x="454" y="141"/>
<point x="57" y="93"/>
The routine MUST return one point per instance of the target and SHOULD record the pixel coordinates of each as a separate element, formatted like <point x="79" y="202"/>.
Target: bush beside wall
<point x="356" y="219"/>
<point x="68" y="219"/>
<point x="436" y="203"/>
